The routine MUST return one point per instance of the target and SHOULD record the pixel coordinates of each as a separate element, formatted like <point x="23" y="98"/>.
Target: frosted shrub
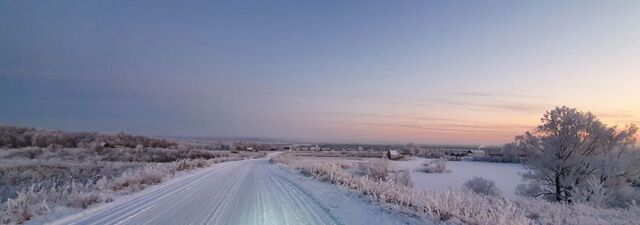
<point x="544" y="212"/>
<point x="23" y="207"/>
<point x="138" y="180"/>
<point x="186" y="164"/>
<point x="74" y="194"/>
<point x="593" y="193"/>
<point x="279" y="159"/>
<point x="402" y="178"/>
<point x="482" y="186"/>
<point x="25" y="153"/>
<point x="376" y="169"/>
<point x="436" y="166"/>
<point x="83" y="200"/>
<point x="39" y="199"/>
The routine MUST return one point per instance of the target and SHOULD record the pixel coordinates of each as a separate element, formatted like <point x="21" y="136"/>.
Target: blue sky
<point x="466" y="72"/>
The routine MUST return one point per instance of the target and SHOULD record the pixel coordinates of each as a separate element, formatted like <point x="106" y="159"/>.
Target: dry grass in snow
<point x="453" y="207"/>
<point x="55" y="186"/>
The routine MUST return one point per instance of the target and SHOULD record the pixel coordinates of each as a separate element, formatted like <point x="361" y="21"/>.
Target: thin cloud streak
<point x="429" y="128"/>
<point x="437" y="125"/>
<point x="498" y="95"/>
<point x="386" y="116"/>
<point x="495" y="105"/>
<point x="418" y="119"/>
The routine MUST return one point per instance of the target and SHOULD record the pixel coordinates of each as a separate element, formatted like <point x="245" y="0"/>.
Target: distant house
<point x="251" y="149"/>
<point x="287" y="148"/>
<point x="476" y="153"/>
<point x="393" y="154"/>
<point x="106" y="145"/>
<point x="325" y="149"/>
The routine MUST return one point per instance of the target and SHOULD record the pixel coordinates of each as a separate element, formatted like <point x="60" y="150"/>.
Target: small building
<point x="393" y="154"/>
<point x="251" y="149"/>
<point x="106" y="145"/>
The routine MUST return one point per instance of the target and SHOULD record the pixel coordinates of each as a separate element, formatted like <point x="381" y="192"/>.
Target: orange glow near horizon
<point x="445" y="124"/>
<point x="436" y="72"/>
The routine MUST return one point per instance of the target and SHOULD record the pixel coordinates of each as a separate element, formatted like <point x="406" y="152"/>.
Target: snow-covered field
<point x="451" y="206"/>
<point x="506" y="175"/>
<point x="242" y="192"/>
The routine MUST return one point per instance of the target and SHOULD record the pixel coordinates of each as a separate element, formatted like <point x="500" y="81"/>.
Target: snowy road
<point x="249" y="192"/>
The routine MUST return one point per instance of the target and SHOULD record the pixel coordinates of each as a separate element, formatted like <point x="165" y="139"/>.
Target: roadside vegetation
<point x="481" y="186"/>
<point x="459" y="207"/>
<point x="581" y="172"/>
<point x="53" y="172"/>
<point x="436" y="166"/>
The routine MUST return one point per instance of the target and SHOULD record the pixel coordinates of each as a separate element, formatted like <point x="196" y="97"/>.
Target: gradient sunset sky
<point x="439" y="72"/>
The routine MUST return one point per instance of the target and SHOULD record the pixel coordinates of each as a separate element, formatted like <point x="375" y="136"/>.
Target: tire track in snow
<point x="128" y="210"/>
<point x="244" y="192"/>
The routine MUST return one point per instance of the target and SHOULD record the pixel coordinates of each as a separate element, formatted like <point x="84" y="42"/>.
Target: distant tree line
<point x="18" y="137"/>
<point x="504" y="154"/>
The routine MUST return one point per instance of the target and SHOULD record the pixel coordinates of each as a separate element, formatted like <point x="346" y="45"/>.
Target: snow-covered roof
<point x="394" y="152"/>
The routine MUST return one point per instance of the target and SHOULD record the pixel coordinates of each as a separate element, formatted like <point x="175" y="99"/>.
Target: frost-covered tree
<point x="411" y="149"/>
<point x="570" y="150"/>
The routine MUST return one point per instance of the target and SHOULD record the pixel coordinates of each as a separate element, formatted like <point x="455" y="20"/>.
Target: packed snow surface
<point x="506" y="175"/>
<point x="251" y="192"/>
